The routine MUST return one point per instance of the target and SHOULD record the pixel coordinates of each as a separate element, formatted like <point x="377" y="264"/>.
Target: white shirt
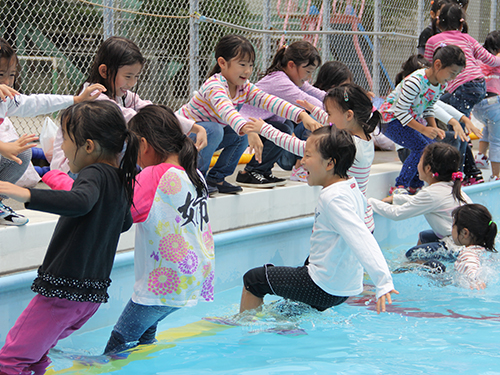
<point x="342" y="245"/>
<point x="435" y="202"/>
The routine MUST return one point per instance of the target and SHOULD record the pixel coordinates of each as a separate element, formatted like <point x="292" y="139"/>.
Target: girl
<point x="287" y="78"/>
<point x="469" y="88"/>
<point x="473" y="230"/>
<point x="439" y="168"/>
<point x="218" y="102"/>
<point x="348" y="107"/>
<point x="341" y="245"/>
<point x="16" y="152"/>
<point x="73" y="279"/>
<point x="433" y="28"/>
<point x="117" y="66"/>
<point x="332" y="74"/>
<point x="488" y="111"/>
<point x="415" y="97"/>
<point x="169" y="191"/>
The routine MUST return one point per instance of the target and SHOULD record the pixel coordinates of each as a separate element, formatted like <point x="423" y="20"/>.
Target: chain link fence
<point x="56" y="39"/>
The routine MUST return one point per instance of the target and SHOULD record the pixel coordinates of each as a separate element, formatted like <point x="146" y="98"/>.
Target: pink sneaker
<point x="298" y="174"/>
<point x="482" y="161"/>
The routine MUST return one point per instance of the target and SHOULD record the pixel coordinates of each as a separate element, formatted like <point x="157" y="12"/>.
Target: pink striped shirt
<point x="213" y="102"/>
<point x="360" y="169"/>
<point x="474" y="52"/>
<point x="468" y="262"/>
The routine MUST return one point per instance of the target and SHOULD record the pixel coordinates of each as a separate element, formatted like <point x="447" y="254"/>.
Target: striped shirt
<point x="474" y="52"/>
<point x="413" y="97"/>
<point x="213" y="103"/>
<point x="360" y="169"/>
<point x="468" y="262"/>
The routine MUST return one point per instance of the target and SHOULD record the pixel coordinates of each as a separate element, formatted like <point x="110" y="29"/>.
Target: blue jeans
<point x="431" y="249"/>
<point x="415" y="142"/>
<point x="488" y="112"/>
<point x="136" y="326"/>
<point x="271" y="152"/>
<point x="218" y="137"/>
<point x="464" y="98"/>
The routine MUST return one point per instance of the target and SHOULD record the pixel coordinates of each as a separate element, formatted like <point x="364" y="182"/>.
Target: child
<point x="413" y="98"/>
<point x="433" y="28"/>
<point x="469" y="88"/>
<point x="475" y="232"/>
<point x="488" y="111"/>
<point x="332" y="74"/>
<point x="73" y="279"/>
<point x="438" y="167"/>
<point x="349" y="108"/>
<point x="117" y="66"/>
<point x="287" y="78"/>
<point x="169" y="191"/>
<point x="341" y="244"/>
<point x="216" y="105"/>
<point x="16" y="152"/>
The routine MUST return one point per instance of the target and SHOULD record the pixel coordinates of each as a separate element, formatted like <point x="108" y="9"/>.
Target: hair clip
<point x="346" y="96"/>
<point x="330" y="124"/>
<point x="457" y="176"/>
<point x="443" y="45"/>
<point x="490" y="223"/>
<point x="462" y="20"/>
<point x="435" y="174"/>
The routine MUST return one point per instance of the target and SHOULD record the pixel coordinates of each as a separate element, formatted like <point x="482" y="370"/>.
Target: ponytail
<point x="300" y="52"/>
<point x="444" y="161"/>
<point x="159" y="126"/>
<point x="128" y="164"/>
<point x="478" y="220"/>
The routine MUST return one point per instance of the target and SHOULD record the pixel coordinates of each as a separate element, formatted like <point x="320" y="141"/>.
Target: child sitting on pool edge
<point x="341" y="244"/>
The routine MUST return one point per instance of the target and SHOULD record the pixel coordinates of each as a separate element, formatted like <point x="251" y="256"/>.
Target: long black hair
<point x="492" y="42"/>
<point x="300" y="52"/>
<point x="332" y="74"/>
<point x="413" y="63"/>
<point x="114" y="52"/>
<point x="103" y="123"/>
<point x="350" y="96"/>
<point x="449" y="55"/>
<point x="231" y="46"/>
<point x="161" y="129"/>
<point x="444" y="161"/>
<point x="452" y="17"/>
<point x="478" y="220"/>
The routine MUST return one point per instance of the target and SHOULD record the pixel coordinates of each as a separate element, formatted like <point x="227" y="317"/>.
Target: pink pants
<point x="44" y="322"/>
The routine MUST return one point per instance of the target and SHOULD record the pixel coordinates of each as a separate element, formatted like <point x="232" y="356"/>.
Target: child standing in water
<point x="73" y="279"/>
<point x="415" y="97"/>
<point x="341" y="244"/>
<point x="475" y="231"/>
<point x="170" y="207"/>
<point x="216" y="107"/>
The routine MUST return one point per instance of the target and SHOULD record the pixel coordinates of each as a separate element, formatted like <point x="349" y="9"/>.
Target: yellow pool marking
<point x="166" y="340"/>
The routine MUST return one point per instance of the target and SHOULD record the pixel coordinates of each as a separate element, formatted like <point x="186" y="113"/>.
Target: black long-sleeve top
<point x="81" y="252"/>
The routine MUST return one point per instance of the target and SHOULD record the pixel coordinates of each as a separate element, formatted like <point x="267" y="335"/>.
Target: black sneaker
<point x="225" y="188"/>
<point x="254" y="180"/>
<point x="212" y="189"/>
<point x="278" y="181"/>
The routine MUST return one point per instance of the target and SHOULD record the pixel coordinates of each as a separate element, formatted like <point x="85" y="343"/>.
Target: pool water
<point x="433" y="326"/>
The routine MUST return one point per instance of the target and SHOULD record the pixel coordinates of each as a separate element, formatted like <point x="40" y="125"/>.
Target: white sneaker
<point x="494" y="178"/>
<point x="298" y="174"/>
<point x="9" y="217"/>
<point x="482" y="161"/>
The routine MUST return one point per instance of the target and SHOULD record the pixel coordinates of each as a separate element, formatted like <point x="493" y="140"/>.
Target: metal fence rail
<point x="56" y="39"/>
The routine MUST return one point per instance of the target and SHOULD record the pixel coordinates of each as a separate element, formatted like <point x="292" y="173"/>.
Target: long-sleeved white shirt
<point x="435" y="202"/>
<point x="342" y="245"/>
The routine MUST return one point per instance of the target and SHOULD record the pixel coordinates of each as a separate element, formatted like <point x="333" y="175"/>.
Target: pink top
<point x="474" y="52"/>
<point x="492" y="76"/>
<point x="213" y="103"/>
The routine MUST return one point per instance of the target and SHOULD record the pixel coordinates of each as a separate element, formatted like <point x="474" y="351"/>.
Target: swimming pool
<point x="433" y="326"/>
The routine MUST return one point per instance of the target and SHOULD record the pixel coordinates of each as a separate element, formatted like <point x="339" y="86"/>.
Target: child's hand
<point x="90" y="93"/>
<point x="7" y="92"/>
<point x="459" y="131"/>
<point x="309" y="122"/>
<point x="381" y="301"/>
<point x="255" y="145"/>
<point x="254" y="125"/>
<point x="471" y="127"/>
<point x="201" y="136"/>
<point x="306" y="105"/>
<point x="16" y="192"/>
<point x="479" y="285"/>
<point x="10" y="150"/>
<point x="388" y="199"/>
<point x="432" y="132"/>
